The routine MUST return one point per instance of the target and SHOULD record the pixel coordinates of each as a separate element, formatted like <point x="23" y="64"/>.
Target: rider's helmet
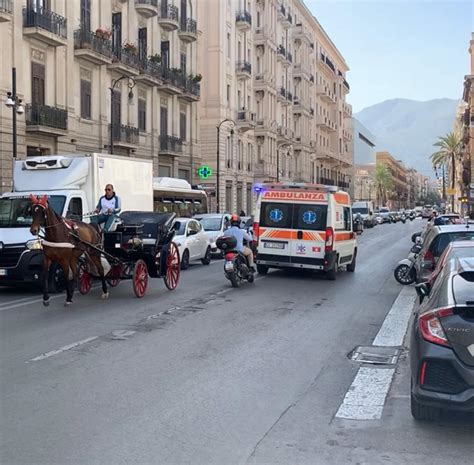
<point x="235" y="220"/>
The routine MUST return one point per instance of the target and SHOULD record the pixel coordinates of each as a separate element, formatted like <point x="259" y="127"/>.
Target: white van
<point x="366" y="211"/>
<point x="300" y="225"/>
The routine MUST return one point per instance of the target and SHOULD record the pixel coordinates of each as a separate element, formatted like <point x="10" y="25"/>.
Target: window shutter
<point x="86" y="99"/>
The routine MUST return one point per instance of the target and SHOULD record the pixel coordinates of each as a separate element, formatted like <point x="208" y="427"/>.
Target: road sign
<point x="204" y="172"/>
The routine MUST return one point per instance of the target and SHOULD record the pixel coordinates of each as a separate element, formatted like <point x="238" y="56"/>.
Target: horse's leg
<point x="100" y="268"/>
<point x="65" y="264"/>
<point x="46" y="265"/>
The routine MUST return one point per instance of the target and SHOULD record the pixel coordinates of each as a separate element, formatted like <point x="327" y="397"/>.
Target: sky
<point x="414" y="49"/>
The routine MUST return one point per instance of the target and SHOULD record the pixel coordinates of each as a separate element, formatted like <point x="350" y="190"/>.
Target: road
<point x="212" y="375"/>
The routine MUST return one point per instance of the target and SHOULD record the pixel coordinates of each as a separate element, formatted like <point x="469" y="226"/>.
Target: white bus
<point x="177" y="195"/>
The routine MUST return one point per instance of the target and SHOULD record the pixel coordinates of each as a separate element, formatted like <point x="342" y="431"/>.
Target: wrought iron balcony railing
<point x="123" y="133"/>
<point x="243" y="16"/>
<point x="169" y="12"/>
<point x="188" y="25"/>
<point x="88" y="39"/>
<point x="243" y="67"/>
<point x="127" y="56"/>
<point x="6" y="6"/>
<point x="45" y="19"/>
<point x="44" y="115"/>
<point x="147" y="2"/>
<point x="171" y="143"/>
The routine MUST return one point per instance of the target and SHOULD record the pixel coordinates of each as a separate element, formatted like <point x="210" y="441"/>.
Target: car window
<point x="310" y="217"/>
<point x="192" y="226"/>
<point x="276" y="215"/>
<point x="75" y="209"/>
<point x="182" y="228"/>
<point x="443" y="240"/>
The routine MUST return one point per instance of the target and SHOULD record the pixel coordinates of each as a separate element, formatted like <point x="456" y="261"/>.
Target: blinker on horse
<point x="64" y="242"/>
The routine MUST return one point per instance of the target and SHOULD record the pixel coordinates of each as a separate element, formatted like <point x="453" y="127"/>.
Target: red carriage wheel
<point x="173" y="267"/>
<point x="114" y="275"/>
<point x="85" y="279"/>
<point x="140" y="278"/>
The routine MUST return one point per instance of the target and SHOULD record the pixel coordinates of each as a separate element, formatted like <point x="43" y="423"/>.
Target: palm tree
<point x="450" y="149"/>
<point x="383" y="183"/>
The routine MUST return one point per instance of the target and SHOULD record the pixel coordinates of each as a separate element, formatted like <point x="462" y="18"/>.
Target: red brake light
<point x="431" y="329"/>
<point x="229" y="256"/>
<point x="256" y="230"/>
<point x="329" y="240"/>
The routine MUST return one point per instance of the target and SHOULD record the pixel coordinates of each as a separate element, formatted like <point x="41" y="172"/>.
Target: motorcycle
<point x="236" y="268"/>
<point x="358" y="224"/>
<point x="403" y="218"/>
<point x="405" y="272"/>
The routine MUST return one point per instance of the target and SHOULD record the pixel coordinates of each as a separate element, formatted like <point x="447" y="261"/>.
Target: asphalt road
<point x="211" y="375"/>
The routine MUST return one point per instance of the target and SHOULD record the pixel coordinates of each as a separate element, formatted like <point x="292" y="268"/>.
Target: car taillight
<point x="256" y="232"/>
<point x="429" y="257"/>
<point x="329" y="240"/>
<point x="431" y="329"/>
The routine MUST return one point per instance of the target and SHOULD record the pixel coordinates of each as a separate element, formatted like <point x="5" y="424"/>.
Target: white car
<point x="192" y="241"/>
<point x="214" y="224"/>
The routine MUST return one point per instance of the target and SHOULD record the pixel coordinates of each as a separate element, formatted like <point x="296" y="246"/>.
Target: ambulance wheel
<point x="331" y="274"/>
<point x="352" y="265"/>
<point x="262" y="269"/>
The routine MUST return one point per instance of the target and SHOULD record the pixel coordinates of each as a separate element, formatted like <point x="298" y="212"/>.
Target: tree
<point x="450" y="150"/>
<point x="383" y="183"/>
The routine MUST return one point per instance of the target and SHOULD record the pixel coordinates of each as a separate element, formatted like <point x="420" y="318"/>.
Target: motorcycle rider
<point x="240" y="235"/>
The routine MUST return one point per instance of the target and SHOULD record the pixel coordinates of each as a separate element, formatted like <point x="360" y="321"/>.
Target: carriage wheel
<point x="84" y="279"/>
<point x="114" y="275"/>
<point x="140" y="278"/>
<point x="173" y="267"/>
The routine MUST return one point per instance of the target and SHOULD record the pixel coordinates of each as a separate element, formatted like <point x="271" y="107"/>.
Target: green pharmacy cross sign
<point x="204" y="172"/>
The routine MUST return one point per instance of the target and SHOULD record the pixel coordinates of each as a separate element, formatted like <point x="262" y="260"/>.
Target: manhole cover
<point x="375" y="355"/>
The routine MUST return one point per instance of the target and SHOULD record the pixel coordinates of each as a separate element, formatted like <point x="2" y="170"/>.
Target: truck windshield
<point x="361" y="210"/>
<point x="14" y="211"/>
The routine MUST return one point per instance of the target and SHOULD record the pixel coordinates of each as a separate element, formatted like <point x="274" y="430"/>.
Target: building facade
<point x="364" y="185"/>
<point x="70" y="54"/>
<point x="277" y="90"/>
<point x="398" y="197"/>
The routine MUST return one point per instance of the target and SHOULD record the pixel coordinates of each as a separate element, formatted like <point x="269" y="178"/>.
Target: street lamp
<point x="218" y="170"/>
<point x="15" y="103"/>
<point x="131" y="85"/>
<point x="283" y="145"/>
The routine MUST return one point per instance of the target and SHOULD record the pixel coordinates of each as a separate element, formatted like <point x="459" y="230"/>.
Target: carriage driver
<point x="108" y="207"/>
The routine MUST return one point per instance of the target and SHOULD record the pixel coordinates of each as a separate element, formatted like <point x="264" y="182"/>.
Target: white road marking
<point x="366" y="396"/>
<point x="2" y="304"/>
<point x="63" y="349"/>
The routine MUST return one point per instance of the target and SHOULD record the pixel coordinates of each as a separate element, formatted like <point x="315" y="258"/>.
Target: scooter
<point x="405" y="272"/>
<point x="236" y="268"/>
<point x="358" y="224"/>
<point x="403" y="218"/>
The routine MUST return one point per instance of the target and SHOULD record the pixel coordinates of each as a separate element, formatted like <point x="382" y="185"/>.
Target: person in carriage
<point x="108" y="207"/>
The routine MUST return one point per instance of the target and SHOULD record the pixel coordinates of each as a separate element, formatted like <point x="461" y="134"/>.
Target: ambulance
<point x="299" y="225"/>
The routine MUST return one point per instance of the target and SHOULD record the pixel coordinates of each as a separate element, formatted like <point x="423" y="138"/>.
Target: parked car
<point x="427" y="211"/>
<point x="442" y="343"/>
<point x="214" y="225"/>
<point x="394" y="217"/>
<point x="192" y="241"/>
<point x="434" y="241"/>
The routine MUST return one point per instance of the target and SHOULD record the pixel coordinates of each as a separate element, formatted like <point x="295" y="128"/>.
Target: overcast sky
<point x="415" y="49"/>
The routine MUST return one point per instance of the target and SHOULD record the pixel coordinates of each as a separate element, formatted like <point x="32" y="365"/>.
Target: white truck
<point x="366" y="211"/>
<point x="73" y="184"/>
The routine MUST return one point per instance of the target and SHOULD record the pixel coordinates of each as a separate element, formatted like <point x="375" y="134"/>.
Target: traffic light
<point x="463" y="199"/>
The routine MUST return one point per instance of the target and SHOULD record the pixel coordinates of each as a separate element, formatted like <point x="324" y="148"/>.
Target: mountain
<point x="409" y="128"/>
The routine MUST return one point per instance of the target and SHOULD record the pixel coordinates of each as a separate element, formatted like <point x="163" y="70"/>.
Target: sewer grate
<point x="375" y="355"/>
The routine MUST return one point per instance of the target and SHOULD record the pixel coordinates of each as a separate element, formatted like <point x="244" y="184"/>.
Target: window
<point x="37" y="84"/>
<point x="183" y="63"/>
<point x="117" y="33"/>
<point x="86" y="15"/>
<point x="347" y="219"/>
<point x="142" y="114"/>
<point x="164" y="171"/>
<point x="86" y="99"/>
<point x="310" y="217"/>
<point x="142" y="44"/>
<point x="228" y="93"/>
<point x="183" y="174"/>
<point x="74" y="210"/>
<point x="182" y="126"/>
<point x="229" y="49"/>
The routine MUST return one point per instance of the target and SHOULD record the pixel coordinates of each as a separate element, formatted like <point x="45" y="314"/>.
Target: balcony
<point x="91" y="48"/>
<point x="284" y="17"/>
<point x="245" y="120"/>
<point x="299" y="108"/>
<point x="347" y="135"/>
<point x="147" y="8"/>
<point x="45" y="25"/>
<point x="300" y="34"/>
<point x="170" y="145"/>
<point x="243" y="20"/>
<point x="300" y="71"/>
<point x="173" y="81"/>
<point x="124" y="136"/>
<point x="6" y="10"/>
<point x="347" y="109"/>
<point x="326" y="93"/>
<point x="243" y="70"/>
<point x="326" y="124"/>
<point x="282" y="56"/>
<point x="281" y="96"/>
<point x="151" y="73"/>
<point x="346" y="85"/>
<point x="191" y="90"/>
<point x="262" y="37"/>
<point x="168" y="18"/>
<point x="284" y="134"/>
<point x="43" y="119"/>
<point x="326" y="63"/>
<point x="188" y="30"/>
<point x="125" y="62"/>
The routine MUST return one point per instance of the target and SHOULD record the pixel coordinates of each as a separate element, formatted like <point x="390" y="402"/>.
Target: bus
<point x="178" y="196"/>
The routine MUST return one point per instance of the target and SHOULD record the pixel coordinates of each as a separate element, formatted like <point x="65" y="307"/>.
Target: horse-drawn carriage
<point x="140" y="247"/>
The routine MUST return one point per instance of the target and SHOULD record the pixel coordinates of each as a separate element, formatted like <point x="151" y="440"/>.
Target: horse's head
<point x="38" y="213"/>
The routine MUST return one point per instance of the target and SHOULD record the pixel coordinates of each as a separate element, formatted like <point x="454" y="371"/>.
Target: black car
<point x="442" y="343"/>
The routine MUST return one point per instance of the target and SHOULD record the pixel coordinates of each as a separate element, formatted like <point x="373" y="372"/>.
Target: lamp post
<point x="218" y="170"/>
<point x="16" y="105"/>
<point x="131" y="85"/>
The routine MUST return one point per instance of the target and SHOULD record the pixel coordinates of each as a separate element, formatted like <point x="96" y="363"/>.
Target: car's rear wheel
<point x="185" y="260"/>
<point x="424" y="412"/>
<point x="206" y="260"/>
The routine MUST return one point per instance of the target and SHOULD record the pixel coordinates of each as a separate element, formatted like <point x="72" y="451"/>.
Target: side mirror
<point x="423" y="291"/>
<point x="415" y="236"/>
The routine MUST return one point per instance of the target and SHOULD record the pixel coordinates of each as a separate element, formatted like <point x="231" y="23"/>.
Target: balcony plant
<point x="197" y="78"/>
<point x="132" y="48"/>
<point x="155" y="58"/>
<point x="103" y="33"/>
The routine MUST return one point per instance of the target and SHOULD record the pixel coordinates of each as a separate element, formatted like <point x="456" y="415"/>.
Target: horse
<point x="64" y="242"/>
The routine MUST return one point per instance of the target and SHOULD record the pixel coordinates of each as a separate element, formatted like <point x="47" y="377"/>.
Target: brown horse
<point x="64" y="242"/>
